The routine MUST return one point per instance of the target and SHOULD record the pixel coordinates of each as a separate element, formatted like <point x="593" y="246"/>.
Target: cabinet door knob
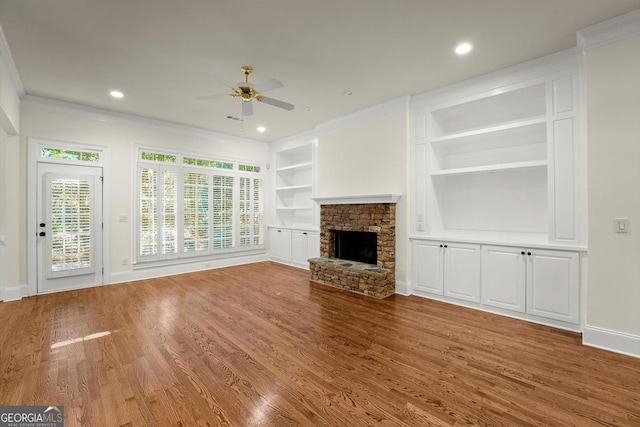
<point x="441" y="245"/>
<point x="528" y="253"/>
<point x="42" y="233"/>
<point x="445" y="246"/>
<point x="522" y="253"/>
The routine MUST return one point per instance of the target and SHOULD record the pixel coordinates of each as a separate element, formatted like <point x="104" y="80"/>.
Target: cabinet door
<point x="313" y="245"/>
<point x="504" y="278"/>
<point x="428" y="268"/>
<point x="462" y="271"/>
<point x="553" y="285"/>
<point x="280" y="243"/>
<point x="299" y="247"/>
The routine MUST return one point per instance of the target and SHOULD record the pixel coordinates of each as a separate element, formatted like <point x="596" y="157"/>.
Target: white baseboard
<point x="14" y="293"/>
<point x="617" y="342"/>
<point x="403" y="288"/>
<point x="171" y="270"/>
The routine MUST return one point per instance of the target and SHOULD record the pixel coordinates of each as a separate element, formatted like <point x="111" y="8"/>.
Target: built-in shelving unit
<point x="500" y="160"/>
<point x="498" y="193"/>
<point x="293" y="230"/>
<point x="294" y="186"/>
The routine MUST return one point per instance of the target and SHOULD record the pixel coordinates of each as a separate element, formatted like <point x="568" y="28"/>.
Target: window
<point x="190" y="206"/>
<point x="59" y="153"/>
<point x="250" y="211"/>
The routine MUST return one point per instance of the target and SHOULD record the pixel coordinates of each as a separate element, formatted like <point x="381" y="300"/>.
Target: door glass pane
<point x="70" y="224"/>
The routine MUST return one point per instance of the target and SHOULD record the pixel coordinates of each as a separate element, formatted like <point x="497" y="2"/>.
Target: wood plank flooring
<point x="259" y="345"/>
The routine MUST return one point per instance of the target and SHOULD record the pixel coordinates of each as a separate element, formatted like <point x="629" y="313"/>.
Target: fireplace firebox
<point x="359" y="246"/>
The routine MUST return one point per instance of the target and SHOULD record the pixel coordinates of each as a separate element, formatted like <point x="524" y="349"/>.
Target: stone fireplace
<point x="368" y="223"/>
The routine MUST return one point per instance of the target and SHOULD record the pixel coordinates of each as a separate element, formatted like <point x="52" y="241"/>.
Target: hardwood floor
<point x="259" y="345"/>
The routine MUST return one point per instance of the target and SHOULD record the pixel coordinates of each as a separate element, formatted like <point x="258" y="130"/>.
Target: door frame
<point x="34" y="146"/>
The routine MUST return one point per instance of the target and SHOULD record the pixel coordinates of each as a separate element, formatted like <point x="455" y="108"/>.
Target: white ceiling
<point x="158" y="51"/>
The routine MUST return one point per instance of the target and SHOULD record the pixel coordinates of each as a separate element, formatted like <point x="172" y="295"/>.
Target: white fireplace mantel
<point x="358" y="200"/>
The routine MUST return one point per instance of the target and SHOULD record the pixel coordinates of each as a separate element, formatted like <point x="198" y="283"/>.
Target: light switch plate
<point x="621" y="225"/>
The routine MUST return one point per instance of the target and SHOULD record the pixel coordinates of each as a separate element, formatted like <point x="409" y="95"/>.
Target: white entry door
<point x="69" y="229"/>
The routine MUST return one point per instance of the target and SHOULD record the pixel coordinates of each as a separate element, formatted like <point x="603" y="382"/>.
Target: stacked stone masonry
<point x="379" y="218"/>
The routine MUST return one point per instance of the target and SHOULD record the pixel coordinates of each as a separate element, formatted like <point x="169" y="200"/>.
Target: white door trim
<point x="34" y="146"/>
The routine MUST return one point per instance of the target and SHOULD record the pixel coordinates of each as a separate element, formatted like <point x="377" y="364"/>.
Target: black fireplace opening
<point x="359" y="246"/>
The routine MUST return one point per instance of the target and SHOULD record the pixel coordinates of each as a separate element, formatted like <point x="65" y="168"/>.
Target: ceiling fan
<point x="247" y="92"/>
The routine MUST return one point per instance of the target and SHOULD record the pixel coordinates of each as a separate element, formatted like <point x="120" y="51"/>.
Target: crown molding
<point x="524" y="71"/>
<point x="377" y="111"/>
<point x="7" y="60"/>
<point x="613" y="30"/>
<point x="102" y="115"/>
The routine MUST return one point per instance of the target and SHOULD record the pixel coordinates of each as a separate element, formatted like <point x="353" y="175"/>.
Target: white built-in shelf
<point x="489" y="110"/>
<point x="491" y="129"/>
<point x="295" y="187"/>
<point x="294" y="167"/>
<point x="491" y="168"/>
<point x="294" y="180"/>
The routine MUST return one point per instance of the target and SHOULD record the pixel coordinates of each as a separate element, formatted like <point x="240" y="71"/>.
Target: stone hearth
<point x="374" y="280"/>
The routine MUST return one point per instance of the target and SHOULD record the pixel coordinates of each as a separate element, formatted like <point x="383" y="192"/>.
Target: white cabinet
<point x="553" y="285"/>
<point x="449" y="269"/>
<point x="538" y="282"/>
<point x="429" y="267"/>
<point x="293" y="246"/>
<point x="304" y="245"/>
<point x="504" y="274"/>
<point x="535" y="284"/>
<point x="280" y="243"/>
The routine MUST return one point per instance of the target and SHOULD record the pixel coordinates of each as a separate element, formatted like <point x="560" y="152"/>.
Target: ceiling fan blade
<point x="276" y="103"/>
<point x="268" y="85"/>
<point x="205" y="97"/>
<point x="220" y="80"/>
<point x="247" y="108"/>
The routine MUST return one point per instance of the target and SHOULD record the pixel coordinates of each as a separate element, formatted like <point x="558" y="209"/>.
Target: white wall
<point x="613" y="132"/>
<point x="366" y="158"/>
<point x="120" y="138"/>
<point x="10" y="216"/>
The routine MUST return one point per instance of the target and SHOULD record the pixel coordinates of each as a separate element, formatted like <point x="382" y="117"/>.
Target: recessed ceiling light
<point x="116" y="94"/>
<point x="463" y="48"/>
<point x="261" y="128"/>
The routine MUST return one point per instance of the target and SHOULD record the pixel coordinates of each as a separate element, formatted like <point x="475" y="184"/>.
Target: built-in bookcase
<point x="497" y="161"/>
<point x="498" y="183"/>
<point x="294" y="186"/>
